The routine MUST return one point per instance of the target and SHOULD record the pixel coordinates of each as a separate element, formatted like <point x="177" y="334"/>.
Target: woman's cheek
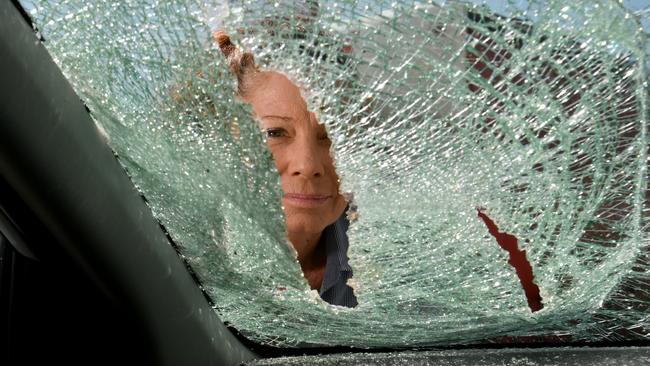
<point x="279" y="158"/>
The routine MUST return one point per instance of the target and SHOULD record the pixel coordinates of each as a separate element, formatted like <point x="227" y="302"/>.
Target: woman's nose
<point x="306" y="160"/>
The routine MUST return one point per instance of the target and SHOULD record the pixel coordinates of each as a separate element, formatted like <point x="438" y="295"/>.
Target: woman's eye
<point x="275" y="132"/>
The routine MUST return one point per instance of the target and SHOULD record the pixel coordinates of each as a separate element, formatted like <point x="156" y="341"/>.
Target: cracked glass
<point x="496" y="154"/>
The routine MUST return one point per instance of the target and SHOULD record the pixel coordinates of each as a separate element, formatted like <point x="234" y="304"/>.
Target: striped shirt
<point x="334" y="288"/>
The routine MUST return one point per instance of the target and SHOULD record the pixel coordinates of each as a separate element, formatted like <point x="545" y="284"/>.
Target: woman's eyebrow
<point x="284" y="118"/>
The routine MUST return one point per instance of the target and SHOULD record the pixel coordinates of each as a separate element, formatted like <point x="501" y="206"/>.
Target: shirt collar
<point x="336" y="245"/>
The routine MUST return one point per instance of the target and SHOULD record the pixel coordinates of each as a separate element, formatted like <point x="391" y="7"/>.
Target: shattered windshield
<point x="493" y="158"/>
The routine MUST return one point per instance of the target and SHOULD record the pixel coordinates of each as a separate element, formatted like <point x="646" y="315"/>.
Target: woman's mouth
<point x="306" y="200"/>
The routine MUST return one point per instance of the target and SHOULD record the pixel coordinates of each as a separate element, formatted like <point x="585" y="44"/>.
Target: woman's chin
<point x="313" y="219"/>
<point x="307" y="222"/>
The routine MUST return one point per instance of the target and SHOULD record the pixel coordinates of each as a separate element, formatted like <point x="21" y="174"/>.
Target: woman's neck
<point x="311" y="256"/>
<point x="306" y="245"/>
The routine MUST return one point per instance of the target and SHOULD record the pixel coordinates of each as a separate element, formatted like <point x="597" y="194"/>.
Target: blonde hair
<point x="242" y="64"/>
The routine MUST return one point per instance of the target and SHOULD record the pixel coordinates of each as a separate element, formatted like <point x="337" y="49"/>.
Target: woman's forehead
<point x="274" y="92"/>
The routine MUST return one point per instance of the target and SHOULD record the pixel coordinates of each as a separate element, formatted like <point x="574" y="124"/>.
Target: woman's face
<point x="301" y="150"/>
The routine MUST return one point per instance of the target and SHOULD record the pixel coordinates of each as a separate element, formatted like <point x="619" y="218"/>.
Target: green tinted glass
<point x="497" y="155"/>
